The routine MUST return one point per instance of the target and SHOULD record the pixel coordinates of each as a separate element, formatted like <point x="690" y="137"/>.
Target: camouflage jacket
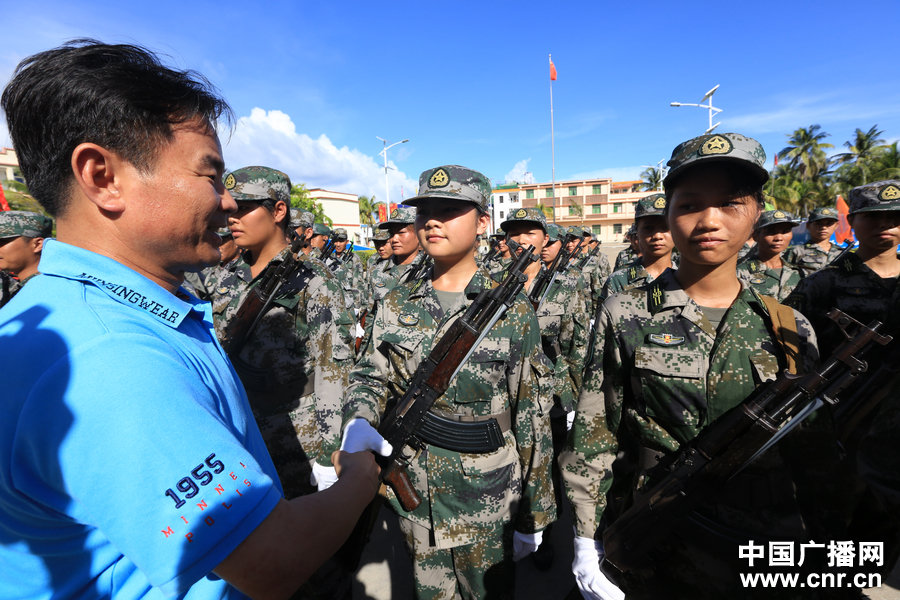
<point x="777" y="283"/>
<point x="9" y="285"/>
<point x="387" y="275"/>
<point x="625" y="257"/>
<point x="626" y="278"/>
<point x="593" y="277"/>
<point x="465" y="495"/>
<point x="810" y="257"/>
<point x="658" y="375"/>
<point x="850" y="285"/>
<point x="294" y="365"/>
<point x="564" y="321"/>
<point x="498" y="265"/>
<point x="352" y="277"/>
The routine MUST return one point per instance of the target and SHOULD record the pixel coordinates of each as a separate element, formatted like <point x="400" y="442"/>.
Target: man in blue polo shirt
<point x="131" y="464"/>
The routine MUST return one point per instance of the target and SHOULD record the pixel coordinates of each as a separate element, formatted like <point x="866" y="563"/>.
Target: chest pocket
<point x="402" y="346"/>
<point x="670" y="387"/>
<point x="484" y="375"/>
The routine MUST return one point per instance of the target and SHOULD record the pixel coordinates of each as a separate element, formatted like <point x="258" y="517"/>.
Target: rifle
<point x="492" y="252"/>
<point x="584" y="259"/>
<point x="544" y="280"/>
<point x="698" y="471"/>
<point x="327" y="249"/>
<point x="574" y="251"/>
<point x="259" y="299"/>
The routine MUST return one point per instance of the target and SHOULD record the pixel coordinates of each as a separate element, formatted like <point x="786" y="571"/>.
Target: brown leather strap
<point x="785" y="326"/>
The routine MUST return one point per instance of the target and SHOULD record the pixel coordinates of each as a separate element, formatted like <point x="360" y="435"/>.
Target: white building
<point x="343" y="210"/>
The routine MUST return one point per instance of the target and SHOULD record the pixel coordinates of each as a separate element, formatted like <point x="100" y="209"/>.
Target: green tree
<point x="301" y="200"/>
<point x="368" y="209"/>
<point x="652" y="179"/>
<point x="547" y="210"/>
<point x="805" y="153"/>
<point x="863" y="150"/>
<point x="886" y="164"/>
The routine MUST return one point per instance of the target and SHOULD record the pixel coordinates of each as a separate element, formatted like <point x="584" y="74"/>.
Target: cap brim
<point x="415" y="201"/>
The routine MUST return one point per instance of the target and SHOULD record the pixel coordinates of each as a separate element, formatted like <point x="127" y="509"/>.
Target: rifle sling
<point x="784" y="325"/>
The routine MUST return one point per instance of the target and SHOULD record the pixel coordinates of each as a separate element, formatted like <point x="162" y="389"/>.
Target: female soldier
<point x="461" y="533"/>
<point x="670" y="357"/>
<point x="764" y="267"/>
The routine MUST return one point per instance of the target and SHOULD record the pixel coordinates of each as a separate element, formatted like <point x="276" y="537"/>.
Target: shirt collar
<point x="120" y="283"/>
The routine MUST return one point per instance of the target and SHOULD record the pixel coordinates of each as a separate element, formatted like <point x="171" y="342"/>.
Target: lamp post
<point x="712" y="109"/>
<point x="661" y="170"/>
<point x="385" y="148"/>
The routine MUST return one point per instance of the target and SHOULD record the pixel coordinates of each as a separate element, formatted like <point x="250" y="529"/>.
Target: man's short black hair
<point x="117" y="96"/>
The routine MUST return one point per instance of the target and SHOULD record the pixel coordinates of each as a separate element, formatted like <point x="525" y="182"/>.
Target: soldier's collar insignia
<point x="889" y="192"/>
<point x="665" y="339"/>
<point x="439" y="179"/>
<point x="521" y="213"/>
<point x="632" y="273"/>
<point x="655" y="297"/>
<point x="716" y="145"/>
<point x="395" y="213"/>
<point x="229" y="182"/>
<point x="659" y="203"/>
<point x="408" y="320"/>
<point x="758" y="279"/>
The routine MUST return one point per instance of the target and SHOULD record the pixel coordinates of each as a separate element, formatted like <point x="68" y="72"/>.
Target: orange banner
<point x="843" y="231"/>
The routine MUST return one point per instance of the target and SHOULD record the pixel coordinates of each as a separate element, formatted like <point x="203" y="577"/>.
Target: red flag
<point x="776" y="160"/>
<point x="843" y="231"/>
<point x="3" y="204"/>
<point x="382" y="212"/>
<point x="552" y="71"/>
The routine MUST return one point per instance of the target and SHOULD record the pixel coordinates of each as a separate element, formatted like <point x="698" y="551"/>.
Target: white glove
<point x="360" y="332"/>
<point x="525" y="543"/>
<point x="570" y="420"/>
<point x="322" y="477"/>
<point x="592" y="583"/>
<point x="359" y="435"/>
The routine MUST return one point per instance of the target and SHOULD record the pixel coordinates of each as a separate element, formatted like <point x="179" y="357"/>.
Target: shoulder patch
<point x="665" y="339"/>
<point x="655" y="297"/>
<point x="408" y="320"/>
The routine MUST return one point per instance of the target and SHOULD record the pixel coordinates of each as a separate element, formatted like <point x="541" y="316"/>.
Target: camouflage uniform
<point x="626" y="256"/>
<point x="471" y="502"/>
<point x="777" y="283"/>
<point x="295" y="363"/>
<point x="9" y="285"/>
<point x="203" y="283"/>
<point x="349" y="270"/>
<point x="593" y="275"/>
<point x="389" y="274"/>
<point x="14" y="224"/>
<point x="810" y="257"/>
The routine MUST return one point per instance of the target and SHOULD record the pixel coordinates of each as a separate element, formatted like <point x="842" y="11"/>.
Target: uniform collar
<point x="666" y="293"/>
<point x="120" y="283"/>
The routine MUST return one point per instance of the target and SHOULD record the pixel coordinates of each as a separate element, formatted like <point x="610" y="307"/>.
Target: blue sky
<point x="314" y="83"/>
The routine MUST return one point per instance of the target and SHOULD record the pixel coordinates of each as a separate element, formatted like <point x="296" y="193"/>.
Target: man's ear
<point x="37" y="244"/>
<point x="97" y="172"/>
<point x="484" y="220"/>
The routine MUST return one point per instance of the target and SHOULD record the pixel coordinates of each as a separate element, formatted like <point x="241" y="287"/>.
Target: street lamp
<point x="387" y="197"/>
<point x="712" y="109"/>
<point x="659" y="169"/>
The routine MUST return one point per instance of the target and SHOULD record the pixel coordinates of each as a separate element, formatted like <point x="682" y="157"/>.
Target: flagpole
<point x="552" y="145"/>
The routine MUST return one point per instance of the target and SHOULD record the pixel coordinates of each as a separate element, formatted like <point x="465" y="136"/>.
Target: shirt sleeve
<point x="145" y="455"/>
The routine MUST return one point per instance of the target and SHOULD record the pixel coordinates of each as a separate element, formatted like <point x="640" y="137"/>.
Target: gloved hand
<point x="592" y="583"/>
<point x="322" y="477"/>
<point x="570" y="420"/>
<point x="525" y="543"/>
<point x="359" y="435"/>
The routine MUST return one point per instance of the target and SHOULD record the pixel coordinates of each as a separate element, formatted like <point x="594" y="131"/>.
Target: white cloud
<point x="520" y="173"/>
<point x="270" y="138"/>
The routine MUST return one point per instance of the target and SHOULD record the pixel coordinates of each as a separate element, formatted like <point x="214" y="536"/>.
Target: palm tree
<point x="862" y="151"/>
<point x="653" y="178"/>
<point x="886" y="164"/>
<point x="805" y="153"/>
<point x="368" y="208"/>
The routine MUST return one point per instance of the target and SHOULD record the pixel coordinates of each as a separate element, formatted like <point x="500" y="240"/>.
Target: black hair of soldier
<point x="118" y="96"/>
<point x="744" y="182"/>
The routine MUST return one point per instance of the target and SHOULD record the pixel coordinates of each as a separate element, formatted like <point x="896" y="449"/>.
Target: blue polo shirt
<point x="130" y="463"/>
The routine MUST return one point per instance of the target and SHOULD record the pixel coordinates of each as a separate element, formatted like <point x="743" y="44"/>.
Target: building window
<point x="501" y="199"/>
<point x="596" y="230"/>
<point x="597" y="189"/>
<point x="597" y="209"/>
<point x="573" y="190"/>
<point x="529" y="194"/>
<point x="617" y="228"/>
<point x="501" y="214"/>
<point x="513" y="198"/>
<point x="573" y="211"/>
<point x="548" y="192"/>
<point x="617" y="207"/>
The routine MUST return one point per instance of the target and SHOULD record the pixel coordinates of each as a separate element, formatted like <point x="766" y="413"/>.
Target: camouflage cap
<point x="631" y="230"/>
<point x="556" y="232"/>
<point x="878" y="196"/>
<point x="254" y="184"/>
<point x="718" y="147"/>
<point x="453" y="182"/>
<point x="653" y="205"/>
<point x="499" y="233"/>
<point x="525" y="215"/>
<point x="339" y="233"/>
<point x="575" y="230"/>
<point x="774" y="217"/>
<point x="321" y="229"/>
<point x="404" y="215"/>
<point x="380" y="235"/>
<point x="17" y="223"/>
<point x="821" y="213"/>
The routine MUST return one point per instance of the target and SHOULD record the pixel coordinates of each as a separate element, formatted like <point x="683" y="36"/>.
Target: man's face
<point x="550" y="251"/>
<point x="571" y="244"/>
<point x="877" y="231"/>
<point x="383" y="248"/>
<point x="773" y="239"/>
<point x="174" y="211"/>
<point x="654" y="238"/>
<point x="527" y="234"/>
<point x="340" y="245"/>
<point x="821" y="230"/>
<point x="318" y="241"/>
<point x="19" y="253"/>
<point x="403" y="239"/>
<point x="501" y="245"/>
